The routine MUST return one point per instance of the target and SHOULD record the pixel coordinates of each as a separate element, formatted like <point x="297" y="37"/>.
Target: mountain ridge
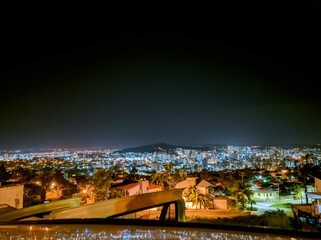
<point x="160" y="147"/>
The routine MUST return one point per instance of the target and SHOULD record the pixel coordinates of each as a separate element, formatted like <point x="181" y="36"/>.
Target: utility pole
<point x="305" y="189"/>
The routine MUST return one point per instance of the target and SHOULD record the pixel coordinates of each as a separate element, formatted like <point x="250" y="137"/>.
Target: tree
<point x="133" y="172"/>
<point x="25" y="175"/>
<point x="33" y="195"/>
<point x="168" y="168"/>
<point x="204" y="174"/>
<point x="240" y="190"/>
<point x="179" y="176"/>
<point x="242" y="197"/>
<point x="229" y="184"/>
<point x="162" y="179"/>
<point x="117" y="167"/>
<point x="195" y="196"/>
<point x="4" y="174"/>
<point x="102" y="182"/>
<point x="114" y="193"/>
<point x="46" y="177"/>
<point x="304" y="170"/>
<point x="306" y="159"/>
<point x="297" y="191"/>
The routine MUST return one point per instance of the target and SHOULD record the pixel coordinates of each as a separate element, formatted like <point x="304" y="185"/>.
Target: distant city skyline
<point x="187" y="146"/>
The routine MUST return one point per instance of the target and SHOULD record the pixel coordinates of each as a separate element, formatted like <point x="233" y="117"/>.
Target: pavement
<point x="267" y="206"/>
<point x="229" y="213"/>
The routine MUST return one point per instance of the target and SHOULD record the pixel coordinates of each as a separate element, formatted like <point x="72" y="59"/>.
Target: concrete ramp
<point x="126" y="205"/>
<point x="39" y="209"/>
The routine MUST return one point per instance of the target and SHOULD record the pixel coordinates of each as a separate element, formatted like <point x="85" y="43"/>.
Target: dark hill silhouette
<point x="159" y="147"/>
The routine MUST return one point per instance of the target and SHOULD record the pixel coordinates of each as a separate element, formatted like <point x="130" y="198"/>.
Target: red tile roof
<point x="128" y="186"/>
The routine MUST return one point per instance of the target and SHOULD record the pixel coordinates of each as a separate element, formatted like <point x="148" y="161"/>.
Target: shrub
<point x="274" y="219"/>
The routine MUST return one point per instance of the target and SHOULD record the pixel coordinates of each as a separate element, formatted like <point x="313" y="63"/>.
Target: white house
<point x="142" y="186"/>
<point x="269" y="194"/>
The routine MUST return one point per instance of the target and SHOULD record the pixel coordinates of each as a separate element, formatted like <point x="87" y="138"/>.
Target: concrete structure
<point x="220" y="203"/>
<point x="12" y="195"/>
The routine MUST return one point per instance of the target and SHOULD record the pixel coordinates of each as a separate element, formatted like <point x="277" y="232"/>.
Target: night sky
<point x="186" y="79"/>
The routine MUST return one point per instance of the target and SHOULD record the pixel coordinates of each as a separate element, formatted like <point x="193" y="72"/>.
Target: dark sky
<point x="247" y="77"/>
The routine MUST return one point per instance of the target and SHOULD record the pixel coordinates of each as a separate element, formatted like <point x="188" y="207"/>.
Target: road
<point x="216" y="213"/>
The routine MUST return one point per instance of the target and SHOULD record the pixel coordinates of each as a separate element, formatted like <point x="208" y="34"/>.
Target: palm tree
<point x="242" y="197"/>
<point x="133" y="173"/>
<point x="297" y="191"/>
<point x="245" y="187"/>
<point x="195" y="196"/>
<point x="179" y="176"/>
<point x="168" y="168"/>
<point x="161" y="179"/>
<point x="304" y="172"/>
<point x="240" y="190"/>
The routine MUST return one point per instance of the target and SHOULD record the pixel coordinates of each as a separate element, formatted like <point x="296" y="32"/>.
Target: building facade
<point x="12" y="195"/>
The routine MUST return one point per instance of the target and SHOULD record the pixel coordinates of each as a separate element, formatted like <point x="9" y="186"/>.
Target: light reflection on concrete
<point x="99" y="231"/>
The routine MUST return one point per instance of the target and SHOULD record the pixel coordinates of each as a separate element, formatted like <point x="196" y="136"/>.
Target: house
<point x="310" y="213"/>
<point x="268" y="194"/>
<point x="316" y="195"/>
<point x="188" y="182"/>
<point x="317" y="180"/>
<point x="12" y="195"/>
<point x="140" y="187"/>
<point x="205" y="187"/>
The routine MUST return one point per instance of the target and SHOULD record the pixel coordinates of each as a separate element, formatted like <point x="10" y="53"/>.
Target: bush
<point x="274" y="219"/>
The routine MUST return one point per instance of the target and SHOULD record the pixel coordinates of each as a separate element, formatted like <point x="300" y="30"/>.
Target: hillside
<point x="159" y="147"/>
